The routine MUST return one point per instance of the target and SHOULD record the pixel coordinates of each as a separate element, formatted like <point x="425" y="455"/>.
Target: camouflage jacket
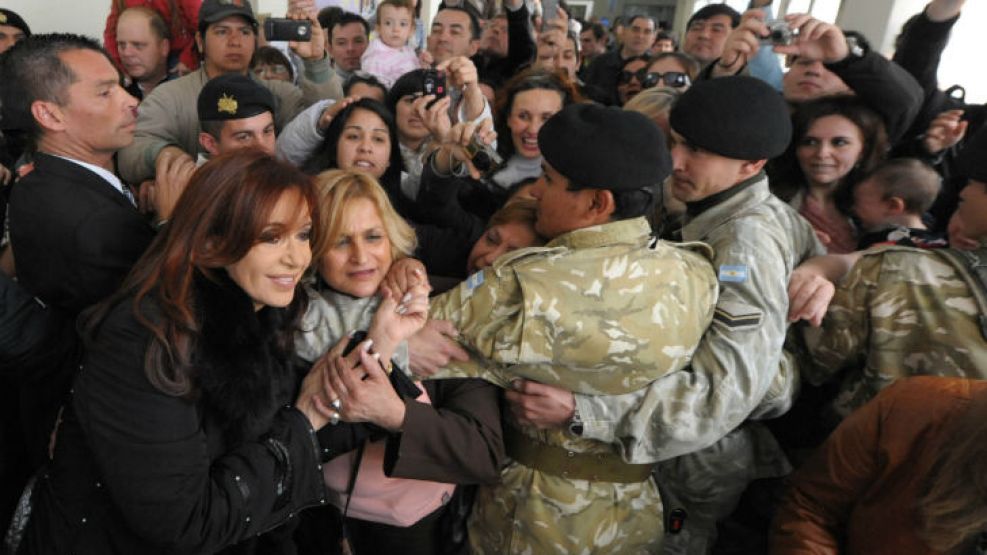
<point x="330" y="316"/>
<point x="738" y="367"/>
<point x="597" y="310"/>
<point x="900" y="312"/>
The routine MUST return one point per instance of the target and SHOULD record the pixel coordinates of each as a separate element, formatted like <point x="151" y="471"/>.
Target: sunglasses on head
<point x="673" y="79"/>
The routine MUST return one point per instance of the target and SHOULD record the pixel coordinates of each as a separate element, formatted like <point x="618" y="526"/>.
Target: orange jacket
<point x="857" y="493"/>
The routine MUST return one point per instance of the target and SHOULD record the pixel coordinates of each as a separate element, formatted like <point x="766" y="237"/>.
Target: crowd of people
<point x="511" y="283"/>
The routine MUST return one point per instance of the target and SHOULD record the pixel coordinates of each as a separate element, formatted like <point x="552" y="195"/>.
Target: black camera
<point x="434" y="82"/>
<point x="483" y="157"/>
<point x="780" y="34"/>
<point x="276" y="29"/>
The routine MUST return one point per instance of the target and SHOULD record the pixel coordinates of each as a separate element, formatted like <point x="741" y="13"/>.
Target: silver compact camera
<point x="780" y="34"/>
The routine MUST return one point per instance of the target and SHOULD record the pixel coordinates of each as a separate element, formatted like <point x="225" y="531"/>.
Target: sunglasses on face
<point x="673" y="79"/>
<point x="625" y="76"/>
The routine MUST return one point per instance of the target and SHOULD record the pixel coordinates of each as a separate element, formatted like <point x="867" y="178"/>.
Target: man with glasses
<point x="638" y="36"/>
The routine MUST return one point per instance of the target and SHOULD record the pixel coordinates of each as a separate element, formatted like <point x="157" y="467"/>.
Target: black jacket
<point x="75" y="238"/>
<point x="520" y="50"/>
<point x="919" y="51"/>
<point x="136" y="470"/>
<point x="602" y="73"/>
<point x="885" y="87"/>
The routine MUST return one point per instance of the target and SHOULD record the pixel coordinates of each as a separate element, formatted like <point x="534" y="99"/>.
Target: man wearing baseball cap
<point x="168" y="123"/>
<point x="13" y="28"/>
<point x="600" y="309"/>
<point x="235" y="112"/>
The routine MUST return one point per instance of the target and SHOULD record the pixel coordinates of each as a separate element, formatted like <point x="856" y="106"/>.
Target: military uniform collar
<point x="699" y="227"/>
<point x="621" y="231"/>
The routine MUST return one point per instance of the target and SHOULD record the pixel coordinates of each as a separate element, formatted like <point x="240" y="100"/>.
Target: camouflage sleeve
<point x="841" y="338"/>
<point x="487" y="311"/>
<point x="732" y="370"/>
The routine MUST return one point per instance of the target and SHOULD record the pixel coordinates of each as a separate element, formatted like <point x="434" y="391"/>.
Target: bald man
<point x="142" y="41"/>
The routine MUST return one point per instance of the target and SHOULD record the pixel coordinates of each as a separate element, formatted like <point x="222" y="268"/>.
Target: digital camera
<point x="484" y="157"/>
<point x="780" y="34"/>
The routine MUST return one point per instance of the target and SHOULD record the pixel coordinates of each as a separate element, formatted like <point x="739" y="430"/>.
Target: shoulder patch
<point x="736" y="274"/>
<point x="474" y="281"/>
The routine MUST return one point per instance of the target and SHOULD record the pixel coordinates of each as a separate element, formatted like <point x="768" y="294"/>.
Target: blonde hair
<point x="653" y="102"/>
<point x="336" y="189"/>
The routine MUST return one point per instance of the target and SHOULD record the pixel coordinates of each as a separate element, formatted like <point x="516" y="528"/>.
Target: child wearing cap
<point x="389" y="55"/>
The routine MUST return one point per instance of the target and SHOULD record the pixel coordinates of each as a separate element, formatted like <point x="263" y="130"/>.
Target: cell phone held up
<point x="280" y="29"/>
<point x="434" y="83"/>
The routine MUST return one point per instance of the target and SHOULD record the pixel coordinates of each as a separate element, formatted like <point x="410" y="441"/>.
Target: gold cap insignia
<point x="227" y="104"/>
<point x="3" y="17"/>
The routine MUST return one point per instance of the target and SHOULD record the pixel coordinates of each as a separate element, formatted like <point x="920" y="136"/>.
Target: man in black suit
<point x="74" y="228"/>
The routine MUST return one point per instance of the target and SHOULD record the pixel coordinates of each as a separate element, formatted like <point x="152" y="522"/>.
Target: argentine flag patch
<point x="735" y="274"/>
<point x="474" y="280"/>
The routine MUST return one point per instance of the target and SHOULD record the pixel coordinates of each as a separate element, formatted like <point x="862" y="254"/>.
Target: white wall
<point x="88" y="17"/>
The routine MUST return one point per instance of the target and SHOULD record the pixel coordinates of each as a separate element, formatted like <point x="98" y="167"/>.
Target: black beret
<point x="233" y="96"/>
<point x="972" y="163"/>
<point x="738" y="117"/>
<point x="605" y="148"/>
<point x="11" y="18"/>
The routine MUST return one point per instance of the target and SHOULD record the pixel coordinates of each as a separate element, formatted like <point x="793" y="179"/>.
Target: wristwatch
<point x="576" y="423"/>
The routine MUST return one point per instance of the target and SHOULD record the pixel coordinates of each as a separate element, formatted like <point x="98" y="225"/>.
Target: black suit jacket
<point x="74" y="235"/>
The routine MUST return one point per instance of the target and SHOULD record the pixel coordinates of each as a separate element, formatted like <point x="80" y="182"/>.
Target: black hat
<point x="8" y="17"/>
<point x="216" y="10"/>
<point x="972" y="162"/>
<point x="605" y="147"/>
<point x="233" y="96"/>
<point x="738" y="117"/>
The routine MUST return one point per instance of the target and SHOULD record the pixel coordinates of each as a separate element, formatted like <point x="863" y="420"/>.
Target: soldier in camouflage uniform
<point x="602" y="308"/>
<point x="723" y="130"/>
<point x="903" y="311"/>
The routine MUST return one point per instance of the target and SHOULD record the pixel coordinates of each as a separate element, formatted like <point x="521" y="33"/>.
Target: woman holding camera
<point x="186" y="431"/>
<point x="466" y="170"/>
<point x="393" y="490"/>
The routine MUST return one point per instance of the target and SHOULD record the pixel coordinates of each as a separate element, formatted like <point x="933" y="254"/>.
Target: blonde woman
<point x="395" y="488"/>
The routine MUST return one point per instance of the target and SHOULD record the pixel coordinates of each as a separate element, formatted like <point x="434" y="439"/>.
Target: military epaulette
<point x="697" y="247"/>
<point x="880" y="249"/>
<point x="511" y="258"/>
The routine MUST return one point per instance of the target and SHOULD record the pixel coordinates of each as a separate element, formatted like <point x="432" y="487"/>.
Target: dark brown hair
<point x="218" y="219"/>
<point x="529" y="80"/>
